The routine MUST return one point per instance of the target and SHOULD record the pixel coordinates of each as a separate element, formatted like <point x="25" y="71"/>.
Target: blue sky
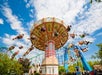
<point x="18" y="16"/>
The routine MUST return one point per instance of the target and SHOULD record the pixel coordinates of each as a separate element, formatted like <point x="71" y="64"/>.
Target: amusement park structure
<point x="80" y="55"/>
<point x="49" y="35"/>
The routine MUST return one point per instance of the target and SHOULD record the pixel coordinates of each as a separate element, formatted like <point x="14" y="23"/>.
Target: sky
<point x="18" y="16"/>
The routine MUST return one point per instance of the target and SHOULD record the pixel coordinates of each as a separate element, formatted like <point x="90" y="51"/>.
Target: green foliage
<point x="98" y="0"/>
<point x="37" y="74"/>
<point x="61" y="70"/>
<point x="92" y="63"/>
<point x="69" y="73"/>
<point x="25" y="63"/>
<point x="90" y="1"/>
<point x="98" y="54"/>
<point x="95" y="0"/>
<point x="72" y="68"/>
<point x="8" y="66"/>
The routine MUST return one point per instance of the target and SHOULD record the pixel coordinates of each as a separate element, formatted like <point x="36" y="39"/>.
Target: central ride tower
<point x="49" y="34"/>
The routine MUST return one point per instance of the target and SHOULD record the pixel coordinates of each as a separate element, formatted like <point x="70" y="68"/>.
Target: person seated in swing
<point x="43" y="29"/>
<point x="70" y="45"/>
<point x="72" y="35"/>
<point x="69" y="28"/>
<point x="81" y="42"/>
<point x="77" y="71"/>
<point x="56" y="33"/>
<point x="84" y="49"/>
<point x="20" y="47"/>
<point x="12" y="57"/>
<point x="33" y="37"/>
<point x="83" y="35"/>
<point x="20" y="36"/>
<point x="87" y="42"/>
<point x="30" y="49"/>
<point x="11" y="48"/>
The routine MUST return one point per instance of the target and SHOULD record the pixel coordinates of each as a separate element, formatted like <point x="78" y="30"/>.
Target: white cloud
<point x="93" y="22"/>
<point x="27" y="5"/>
<point x="99" y="34"/>
<point x="15" y="23"/>
<point x="25" y="0"/>
<point x="13" y="20"/>
<point x="9" y="42"/>
<point x="67" y="10"/>
<point x="62" y="9"/>
<point x="30" y="24"/>
<point x="1" y="21"/>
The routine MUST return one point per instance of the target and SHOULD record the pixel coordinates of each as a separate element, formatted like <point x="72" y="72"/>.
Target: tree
<point x="37" y="74"/>
<point x="98" y="0"/>
<point x="61" y="70"/>
<point x="25" y="63"/>
<point x="90" y="1"/>
<point x="98" y="54"/>
<point x="92" y="63"/>
<point x="95" y="0"/>
<point x="8" y="66"/>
